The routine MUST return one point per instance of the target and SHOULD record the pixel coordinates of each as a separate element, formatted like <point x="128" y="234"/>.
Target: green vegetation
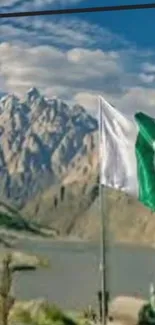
<point x="13" y="222"/>
<point x="146" y="315"/>
<point x="43" y="262"/>
<point x="6" y="300"/>
<point x="45" y="315"/>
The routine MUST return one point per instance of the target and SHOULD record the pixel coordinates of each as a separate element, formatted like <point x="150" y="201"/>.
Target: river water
<point x="73" y="279"/>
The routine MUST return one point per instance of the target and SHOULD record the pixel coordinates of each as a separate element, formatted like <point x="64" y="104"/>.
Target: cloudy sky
<point x="77" y="57"/>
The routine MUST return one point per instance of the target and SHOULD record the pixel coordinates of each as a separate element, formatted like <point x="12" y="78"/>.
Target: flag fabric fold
<point x="127" y="153"/>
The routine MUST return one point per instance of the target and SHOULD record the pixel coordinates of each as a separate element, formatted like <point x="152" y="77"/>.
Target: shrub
<point x="46" y="315"/>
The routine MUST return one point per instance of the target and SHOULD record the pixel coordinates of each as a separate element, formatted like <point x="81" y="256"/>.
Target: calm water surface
<point x="73" y="279"/>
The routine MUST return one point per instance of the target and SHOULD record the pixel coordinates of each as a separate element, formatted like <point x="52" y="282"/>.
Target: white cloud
<point x="80" y="69"/>
<point x="88" y="100"/>
<point x="61" y="2"/>
<point x="49" y="67"/>
<point x="77" y="75"/>
<point x="36" y="3"/>
<point x="8" y="2"/>
<point x="70" y="32"/>
<point x="148" y="67"/>
<point x="146" y="78"/>
<point x="137" y="99"/>
<point x="94" y="62"/>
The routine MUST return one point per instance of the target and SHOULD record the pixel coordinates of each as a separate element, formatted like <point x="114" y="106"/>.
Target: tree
<point x="62" y="192"/>
<point x="55" y="201"/>
<point x="7" y="300"/>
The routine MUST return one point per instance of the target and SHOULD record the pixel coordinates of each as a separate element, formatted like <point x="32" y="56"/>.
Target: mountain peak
<point x="9" y="102"/>
<point x="32" y="94"/>
<point x="33" y="90"/>
<point x="8" y="96"/>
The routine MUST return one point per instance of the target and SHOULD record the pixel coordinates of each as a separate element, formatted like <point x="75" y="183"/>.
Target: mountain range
<point x="41" y="141"/>
<point x="49" y="173"/>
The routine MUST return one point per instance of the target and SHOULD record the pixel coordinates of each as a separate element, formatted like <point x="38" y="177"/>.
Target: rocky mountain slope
<point x="49" y="171"/>
<point x="77" y="214"/>
<point x="41" y="140"/>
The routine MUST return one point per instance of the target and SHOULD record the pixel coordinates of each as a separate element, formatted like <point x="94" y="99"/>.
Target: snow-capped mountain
<point x="41" y="142"/>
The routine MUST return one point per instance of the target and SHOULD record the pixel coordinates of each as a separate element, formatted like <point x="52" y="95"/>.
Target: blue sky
<point x="77" y="57"/>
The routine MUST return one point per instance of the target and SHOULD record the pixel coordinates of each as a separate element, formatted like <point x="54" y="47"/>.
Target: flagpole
<point x="103" y="239"/>
<point x="104" y="252"/>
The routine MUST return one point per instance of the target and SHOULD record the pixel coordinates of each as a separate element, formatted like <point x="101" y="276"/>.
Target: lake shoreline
<point x="78" y="240"/>
<point x="13" y="236"/>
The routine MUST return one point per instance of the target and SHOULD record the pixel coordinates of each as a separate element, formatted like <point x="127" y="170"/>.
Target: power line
<point x="78" y="10"/>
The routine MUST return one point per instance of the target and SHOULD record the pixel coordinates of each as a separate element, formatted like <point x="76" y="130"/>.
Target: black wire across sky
<point x="78" y="10"/>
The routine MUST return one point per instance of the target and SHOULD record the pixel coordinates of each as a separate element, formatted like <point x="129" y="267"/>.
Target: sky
<point x="78" y="57"/>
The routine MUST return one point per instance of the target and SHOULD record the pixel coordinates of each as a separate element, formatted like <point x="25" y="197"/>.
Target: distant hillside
<point x="77" y="213"/>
